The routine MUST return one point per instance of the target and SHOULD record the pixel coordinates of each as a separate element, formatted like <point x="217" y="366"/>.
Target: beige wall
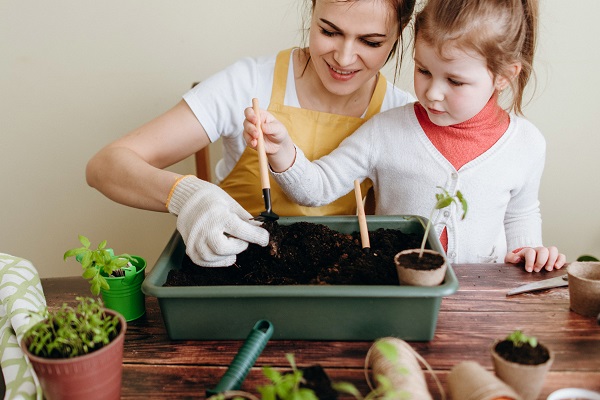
<point x="77" y="74"/>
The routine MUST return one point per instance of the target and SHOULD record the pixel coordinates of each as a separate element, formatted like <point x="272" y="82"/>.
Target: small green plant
<point x="587" y="257"/>
<point x="285" y="386"/>
<point x="518" y="339"/>
<point x="98" y="263"/>
<point x="72" y="331"/>
<point x="384" y="389"/>
<point x="443" y="200"/>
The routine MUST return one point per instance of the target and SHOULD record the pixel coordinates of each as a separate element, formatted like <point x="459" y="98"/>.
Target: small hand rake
<point x="268" y="214"/>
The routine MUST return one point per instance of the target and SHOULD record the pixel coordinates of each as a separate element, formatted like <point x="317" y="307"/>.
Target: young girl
<point x="456" y="137"/>
<point x="322" y="92"/>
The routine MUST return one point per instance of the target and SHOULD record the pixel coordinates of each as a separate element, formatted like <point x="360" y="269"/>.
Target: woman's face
<point x="350" y="41"/>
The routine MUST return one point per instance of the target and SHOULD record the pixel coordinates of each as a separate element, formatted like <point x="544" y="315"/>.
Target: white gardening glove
<point x="214" y="227"/>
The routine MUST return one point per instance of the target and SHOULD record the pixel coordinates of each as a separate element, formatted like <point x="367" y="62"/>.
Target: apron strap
<point x="282" y="63"/>
<point x="280" y="75"/>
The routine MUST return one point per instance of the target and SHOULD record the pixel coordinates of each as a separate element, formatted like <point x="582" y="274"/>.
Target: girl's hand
<point x="279" y="147"/>
<point x="536" y="258"/>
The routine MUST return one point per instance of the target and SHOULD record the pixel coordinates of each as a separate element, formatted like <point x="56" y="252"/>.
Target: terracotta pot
<point x="526" y="380"/>
<point x="470" y="381"/>
<point x="419" y="277"/>
<point x="584" y="288"/>
<point x="96" y="375"/>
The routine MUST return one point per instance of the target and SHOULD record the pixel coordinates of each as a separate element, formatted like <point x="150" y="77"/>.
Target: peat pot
<point x="526" y="379"/>
<point x="584" y="288"/>
<point x="410" y="272"/>
<point x="319" y="312"/>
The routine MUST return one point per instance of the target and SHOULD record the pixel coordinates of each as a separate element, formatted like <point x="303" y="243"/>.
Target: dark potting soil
<point x="306" y="253"/>
<point x="525" y="354"/>
<point x="425" y="262"/>
<point x="317" y="380"/>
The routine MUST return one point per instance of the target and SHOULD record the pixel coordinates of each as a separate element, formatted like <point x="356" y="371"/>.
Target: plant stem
<point x="427" y="228"/>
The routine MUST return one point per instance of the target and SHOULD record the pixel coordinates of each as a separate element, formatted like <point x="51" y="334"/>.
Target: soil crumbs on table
<point x="306" y="253"/>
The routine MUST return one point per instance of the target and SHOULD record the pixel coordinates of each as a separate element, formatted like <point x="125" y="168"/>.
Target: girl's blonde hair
<point x="504" y="32"/>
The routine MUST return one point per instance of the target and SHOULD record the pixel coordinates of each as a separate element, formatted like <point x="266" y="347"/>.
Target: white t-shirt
<point x="219" y="102"/>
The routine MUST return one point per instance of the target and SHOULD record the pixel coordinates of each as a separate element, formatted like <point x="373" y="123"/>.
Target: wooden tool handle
<point x="260" y="147"/>
<point x="362" y="219"/>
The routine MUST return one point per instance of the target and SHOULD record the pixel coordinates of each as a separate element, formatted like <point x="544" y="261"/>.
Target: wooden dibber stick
<point x="362" y="219"/>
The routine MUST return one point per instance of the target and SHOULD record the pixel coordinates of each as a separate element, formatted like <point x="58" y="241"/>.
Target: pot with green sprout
<point x="117" y="278"/>
<point x="427" y="267"/>
<point x="522" y="362"/>
<point x="77" y="351"/>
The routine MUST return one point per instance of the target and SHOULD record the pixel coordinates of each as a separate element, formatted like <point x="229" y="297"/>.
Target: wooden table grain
<point x="469" y="321"/>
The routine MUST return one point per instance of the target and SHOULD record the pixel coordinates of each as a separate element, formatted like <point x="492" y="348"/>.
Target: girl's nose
<point x="434" y="92"/>
<point x="345" y="55"/>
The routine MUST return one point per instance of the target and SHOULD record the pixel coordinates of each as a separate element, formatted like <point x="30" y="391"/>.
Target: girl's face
<point x="452" y="89"/>
<point x="350" y="42"/>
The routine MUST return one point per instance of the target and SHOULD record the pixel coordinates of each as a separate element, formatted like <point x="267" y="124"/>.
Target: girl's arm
<point x="522" y="221"/>
<point x="279" y="147"/>
<point x="311" y="183"/>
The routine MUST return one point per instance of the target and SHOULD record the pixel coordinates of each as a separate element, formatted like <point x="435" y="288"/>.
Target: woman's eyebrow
<point x="335" y="27"/>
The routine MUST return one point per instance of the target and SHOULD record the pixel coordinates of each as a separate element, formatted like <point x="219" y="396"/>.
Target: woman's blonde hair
<point x="504" y="32"/>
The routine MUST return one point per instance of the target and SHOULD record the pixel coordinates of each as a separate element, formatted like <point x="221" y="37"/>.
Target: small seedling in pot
<point x="518" y="339"/>
<point x="72" y="331"/>
<point x="285" y="386"/>
<point x="98" y="263"/>
<point x="443" y="200"/>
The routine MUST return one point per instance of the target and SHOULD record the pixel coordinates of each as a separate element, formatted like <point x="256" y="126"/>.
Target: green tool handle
<point x="245" y="358"/>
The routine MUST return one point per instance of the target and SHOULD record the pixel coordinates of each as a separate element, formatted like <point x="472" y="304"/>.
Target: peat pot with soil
<point x="522" y="363"/>
<point x="313" y="280"/>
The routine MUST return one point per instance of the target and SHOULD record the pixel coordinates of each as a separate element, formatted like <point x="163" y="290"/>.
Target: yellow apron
<point x="316" y="133"/>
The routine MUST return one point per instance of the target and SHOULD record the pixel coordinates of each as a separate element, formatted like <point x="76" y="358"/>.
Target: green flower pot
<point x="125" y="294"/>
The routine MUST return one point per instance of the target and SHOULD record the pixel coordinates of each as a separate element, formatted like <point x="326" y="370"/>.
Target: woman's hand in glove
<point x="214" y="227"/>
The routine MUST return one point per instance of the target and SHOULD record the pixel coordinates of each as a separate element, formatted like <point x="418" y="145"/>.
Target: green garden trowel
<point x="245" y="358"/>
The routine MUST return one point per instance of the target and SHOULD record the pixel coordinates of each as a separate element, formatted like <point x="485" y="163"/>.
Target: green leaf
<point x="388" y="350"/>
<point x="443" y="203"/>
<point x="587" y="257"/>
<point x="463" y="203"/>
<point x="102" y="245"/>
<point x="271" y="374"/>
<point x="267" y="392"/>
<point x="86" y="261"/>
<point x="305" y="394"/>
<point x="346" y="387"/>
<point x="84" y="241"/>
<point x="103" y="282"/>
<point x="89" y="273"/>
<point x="95" y="288"/>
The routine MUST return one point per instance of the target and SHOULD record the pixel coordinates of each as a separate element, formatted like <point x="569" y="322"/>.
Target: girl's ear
<point x="502" y="81"/>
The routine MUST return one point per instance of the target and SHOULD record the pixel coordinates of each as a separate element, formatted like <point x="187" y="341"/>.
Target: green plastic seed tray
<point x="311" y="312"/>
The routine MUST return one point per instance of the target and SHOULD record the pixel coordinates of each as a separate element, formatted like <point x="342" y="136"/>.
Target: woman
<point x="322" y="93"/>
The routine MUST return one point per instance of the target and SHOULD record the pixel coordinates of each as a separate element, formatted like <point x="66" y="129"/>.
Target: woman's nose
<point x="345" y="55"/>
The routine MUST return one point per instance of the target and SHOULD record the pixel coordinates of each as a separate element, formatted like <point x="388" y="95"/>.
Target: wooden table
<point x="469" y="321"/>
